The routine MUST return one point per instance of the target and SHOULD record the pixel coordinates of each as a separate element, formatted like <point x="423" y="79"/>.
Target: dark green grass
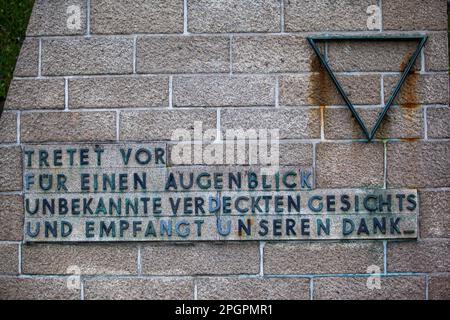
<point x="14" y="15"/>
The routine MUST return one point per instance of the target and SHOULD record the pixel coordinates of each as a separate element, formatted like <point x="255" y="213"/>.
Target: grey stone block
<point x="326" y="15"/>
<point x="26" y="94"/>
<point x="221" y="16"/>
<point x="125" y="17"/>
<point x="95" y="55"/>
<point x="119" y="92"/>
<point x="223" y="91"/>
<point x="54" y="18"/>
<point x="183" y="54"/>
<point x="68" y="127"/>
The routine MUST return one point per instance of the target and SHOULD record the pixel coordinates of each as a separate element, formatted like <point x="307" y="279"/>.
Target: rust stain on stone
<point x="408" y="93"/>
<point x="321" y="90"/>
<point x="322" y="117"/>
<point x="315" y="64"/>
<point x="409" y="139"/>
<point x="408" y="96"/>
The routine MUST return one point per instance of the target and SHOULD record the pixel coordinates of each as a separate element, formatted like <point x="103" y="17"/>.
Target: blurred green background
<point x="14" y="15"/>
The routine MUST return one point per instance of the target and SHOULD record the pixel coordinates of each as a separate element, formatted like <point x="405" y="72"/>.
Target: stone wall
<point x="134" y="70"/>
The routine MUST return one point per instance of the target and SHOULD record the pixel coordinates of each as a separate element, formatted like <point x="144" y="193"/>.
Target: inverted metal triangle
<point x="422" y="39"/>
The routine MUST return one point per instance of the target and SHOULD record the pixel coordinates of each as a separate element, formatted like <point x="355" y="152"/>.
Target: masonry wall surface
<point x="136" y="69"/>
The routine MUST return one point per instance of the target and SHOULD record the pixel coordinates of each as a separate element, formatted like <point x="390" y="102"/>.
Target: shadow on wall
<point x="14" y="16"/>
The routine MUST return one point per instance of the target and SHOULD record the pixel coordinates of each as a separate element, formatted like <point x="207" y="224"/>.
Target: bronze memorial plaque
<point x="130" y="192"/>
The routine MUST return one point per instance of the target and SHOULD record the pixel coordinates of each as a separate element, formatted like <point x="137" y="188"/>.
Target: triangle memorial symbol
<point x="314" y="40"/>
